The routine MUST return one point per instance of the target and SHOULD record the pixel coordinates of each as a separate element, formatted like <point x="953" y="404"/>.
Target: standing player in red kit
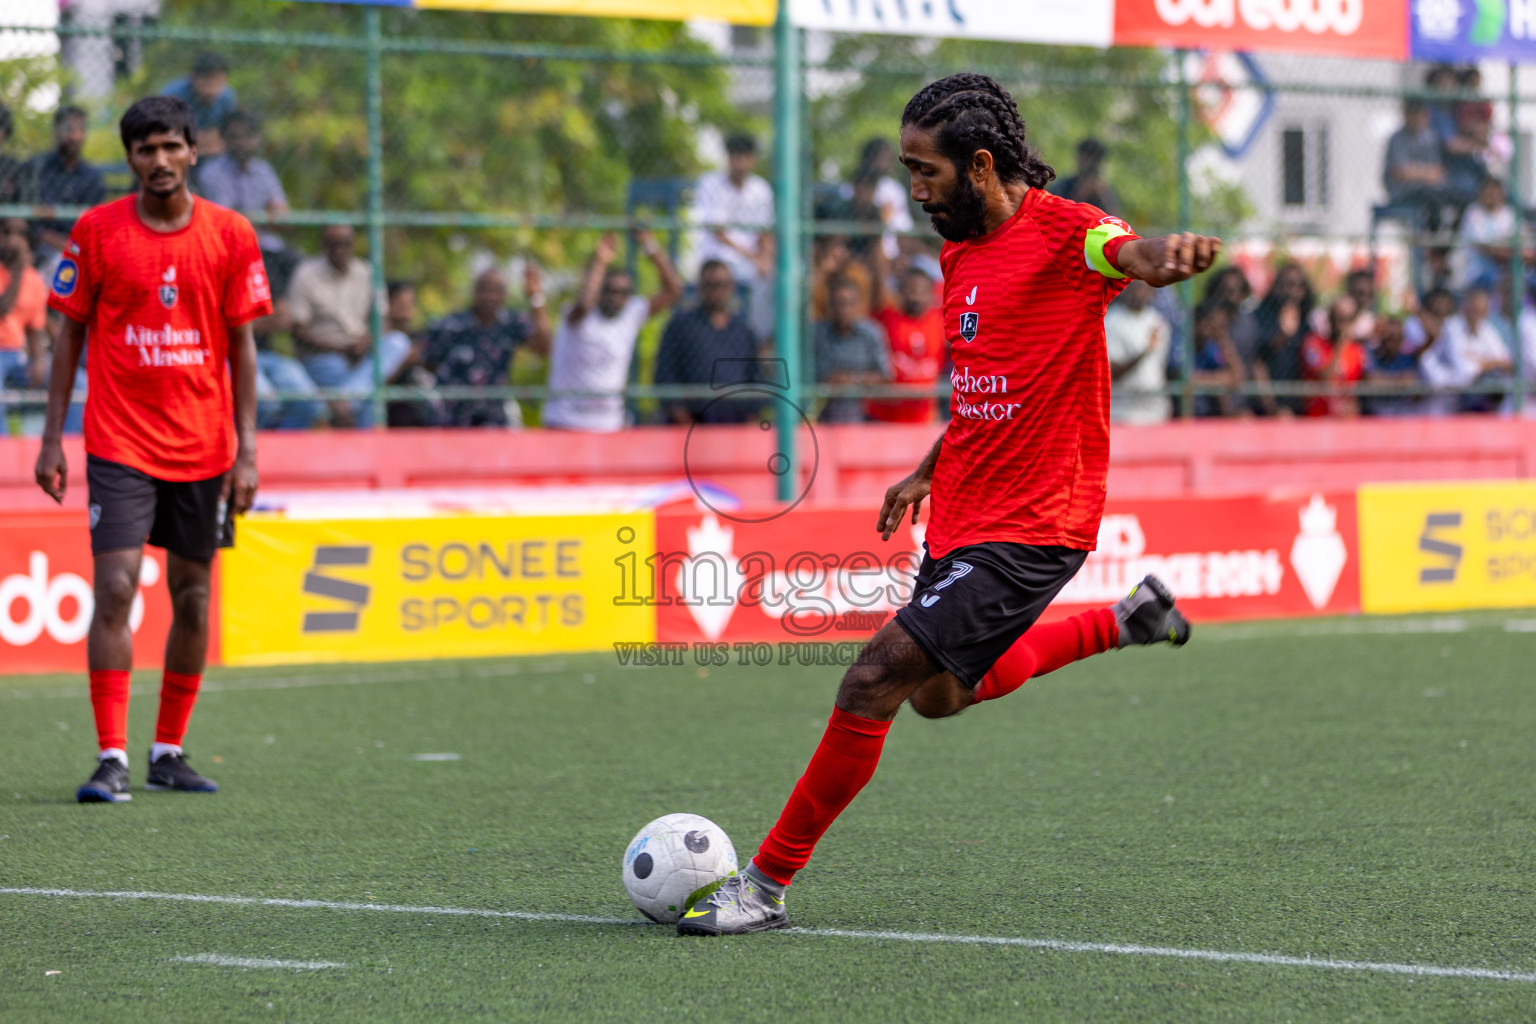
<point x="1017" y="480"/>
<point x="164" y="288"/>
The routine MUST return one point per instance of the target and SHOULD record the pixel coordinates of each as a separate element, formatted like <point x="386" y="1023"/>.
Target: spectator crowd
<point x="876" y="340"/>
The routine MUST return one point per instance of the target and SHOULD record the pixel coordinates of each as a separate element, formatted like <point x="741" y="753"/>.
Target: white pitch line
<point x="1216" y="955"/>
<point x="218" y="960"/>
<point x="238" y="684"/>
<point x="258" y="901"/>
<point x="1054" y="945"/>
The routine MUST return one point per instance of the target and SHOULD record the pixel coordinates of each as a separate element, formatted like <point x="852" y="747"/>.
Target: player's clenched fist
<point x="51" y="471"/>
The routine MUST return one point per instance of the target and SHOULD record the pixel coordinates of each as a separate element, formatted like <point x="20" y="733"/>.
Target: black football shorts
<point x="971" y="605"/>
<point x="130" y="508"/>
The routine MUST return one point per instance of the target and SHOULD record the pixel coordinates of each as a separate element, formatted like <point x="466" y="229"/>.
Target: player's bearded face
<point x="961" y="214"/>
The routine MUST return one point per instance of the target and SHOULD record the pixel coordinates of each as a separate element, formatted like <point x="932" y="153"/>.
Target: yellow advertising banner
<point x="740" y="12"/>
<point x="454" y="586"/>
<point x="1446" y="546"/>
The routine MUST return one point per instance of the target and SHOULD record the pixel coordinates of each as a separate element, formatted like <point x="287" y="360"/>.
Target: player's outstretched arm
<point x="51" y="472"/>
<point x="909" y="492"/>
<point x="1168" y="260"/>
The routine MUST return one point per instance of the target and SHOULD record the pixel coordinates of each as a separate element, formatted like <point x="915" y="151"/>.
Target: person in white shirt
<point x="737" y="196"/>
<point x="1469" y="349"/>
<point x="891" y="196"/>
<point x="596" y="339"/>
<point x="1484" y="241"/>
<point x="1137" y="336"/>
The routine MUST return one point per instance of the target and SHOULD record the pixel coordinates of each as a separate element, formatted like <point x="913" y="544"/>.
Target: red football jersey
<point x="1026" y="455"/>
<point x="158" y="306"/>
<point x="916" y="344"/>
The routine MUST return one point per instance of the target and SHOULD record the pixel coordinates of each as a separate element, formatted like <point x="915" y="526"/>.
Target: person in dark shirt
<point x="1282" y="319"/>
<point x="1088" y="184"/>
<point x="475" y="348"/>
<point x="10" y="167"/>
<point x="207" y="88"/>
<point x="710" y="344"/>
<point x="61" y="177"/>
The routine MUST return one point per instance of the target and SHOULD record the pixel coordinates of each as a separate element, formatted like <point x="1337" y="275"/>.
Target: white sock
<point x="159" y="749"/>
<point x="121" y="755"/>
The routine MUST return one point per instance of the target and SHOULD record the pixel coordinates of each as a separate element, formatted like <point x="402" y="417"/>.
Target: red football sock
<point x="1047" y="648"/>
<point x="842" y="764"/>
<point x="109" y="700"/>
<point x="178" y="695"/>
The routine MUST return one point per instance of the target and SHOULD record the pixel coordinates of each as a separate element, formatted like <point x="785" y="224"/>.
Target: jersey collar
<point x="1030" y="198"/>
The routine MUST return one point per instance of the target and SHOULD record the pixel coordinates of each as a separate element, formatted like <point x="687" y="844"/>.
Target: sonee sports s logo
<point x="968" y="324"/>
<point x="320" y="585"/>
<point x="1432" y="544"/>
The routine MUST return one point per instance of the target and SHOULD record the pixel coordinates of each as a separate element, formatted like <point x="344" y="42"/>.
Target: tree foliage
<point x="1134" y="112"/>
<point x="463" y="133"/>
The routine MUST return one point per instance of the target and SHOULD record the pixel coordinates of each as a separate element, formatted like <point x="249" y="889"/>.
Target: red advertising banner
<point x="826" y="575"/>
<point x="1227" y="558"/>
<point x="820" y="574"/>
<point x="46" y="602"/>
<point x="1344" y="28"/>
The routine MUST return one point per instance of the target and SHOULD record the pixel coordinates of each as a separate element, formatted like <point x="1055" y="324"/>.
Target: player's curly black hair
<point x="971" y="112"/>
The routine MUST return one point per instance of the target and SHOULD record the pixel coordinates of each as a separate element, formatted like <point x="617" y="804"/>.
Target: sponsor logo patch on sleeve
<point x="65" y="278"/>
<point x="261" y="291"/>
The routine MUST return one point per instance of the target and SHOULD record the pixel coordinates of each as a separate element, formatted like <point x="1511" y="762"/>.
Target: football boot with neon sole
<point x="738" y="906"/>
<point x="1147" y="616"/>
<point x="109" y="784"/>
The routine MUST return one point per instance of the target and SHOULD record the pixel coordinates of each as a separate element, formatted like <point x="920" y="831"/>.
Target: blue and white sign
<point x="1461" y="31"/>
<point x="1066" y="22"/>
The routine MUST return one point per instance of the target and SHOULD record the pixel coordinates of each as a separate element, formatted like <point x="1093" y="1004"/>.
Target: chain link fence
<point x="465" y="169"/>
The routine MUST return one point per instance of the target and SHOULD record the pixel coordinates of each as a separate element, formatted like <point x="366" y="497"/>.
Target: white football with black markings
<point x="673" y="861"/>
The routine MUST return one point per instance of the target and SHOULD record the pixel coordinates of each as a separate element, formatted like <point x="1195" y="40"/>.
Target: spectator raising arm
<point x="592" y="284"/>
<point x="671" y="280"/>
<point x="538" y="311"/>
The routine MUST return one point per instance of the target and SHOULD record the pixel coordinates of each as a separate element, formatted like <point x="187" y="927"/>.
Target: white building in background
<point x="1315" y="163"/>
<point x="95" y="62"/>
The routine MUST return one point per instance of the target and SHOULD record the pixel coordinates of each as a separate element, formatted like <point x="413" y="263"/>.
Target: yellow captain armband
<point x="1097" y="238"/>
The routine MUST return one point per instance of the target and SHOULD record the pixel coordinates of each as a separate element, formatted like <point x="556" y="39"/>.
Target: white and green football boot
<point x="738" y="906"/>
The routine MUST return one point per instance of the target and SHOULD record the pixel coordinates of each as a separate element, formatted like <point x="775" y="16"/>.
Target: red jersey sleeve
<point x="77" y="278"/>
<point x="1078" y="236"/>
<point x="247" y="294"/>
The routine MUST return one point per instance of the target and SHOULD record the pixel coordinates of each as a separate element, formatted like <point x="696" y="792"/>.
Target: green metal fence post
<point x="1187" y="338"/>
<point x="376" y="205"/>
<point x="1516" y="255"/>
<point x="786" y="171"/>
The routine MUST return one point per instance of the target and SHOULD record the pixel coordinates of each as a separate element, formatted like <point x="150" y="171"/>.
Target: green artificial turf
<point x="1310" y="790"/>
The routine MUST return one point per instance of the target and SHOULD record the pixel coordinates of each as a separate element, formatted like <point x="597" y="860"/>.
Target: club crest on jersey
<point x="65" y="278"/>
<point x="968" y="325"/>
<point x="168" y="289"/>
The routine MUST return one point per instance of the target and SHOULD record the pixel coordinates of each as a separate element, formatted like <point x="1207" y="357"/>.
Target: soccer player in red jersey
<point x="164" y="288"/>
<point x="1017" y="480"/>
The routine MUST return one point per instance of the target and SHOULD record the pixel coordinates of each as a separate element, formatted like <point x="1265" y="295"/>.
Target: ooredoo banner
<point x="1346" y="28"/>
<point x="454" y="586"/>
<point x="46" y="599"/>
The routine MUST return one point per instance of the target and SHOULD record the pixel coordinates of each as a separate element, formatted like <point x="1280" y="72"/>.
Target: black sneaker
<point x="1147" y="616"/>
<point x="109" y="785"/>
<point x="171" y="771"/>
